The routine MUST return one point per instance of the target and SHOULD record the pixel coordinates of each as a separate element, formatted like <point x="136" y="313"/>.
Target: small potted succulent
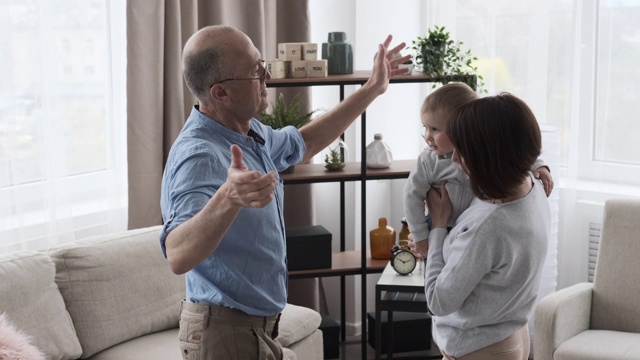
<point x="334" y="157"/>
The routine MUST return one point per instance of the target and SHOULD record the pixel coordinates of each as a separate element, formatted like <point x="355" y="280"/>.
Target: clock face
<point x="404" y="262"/>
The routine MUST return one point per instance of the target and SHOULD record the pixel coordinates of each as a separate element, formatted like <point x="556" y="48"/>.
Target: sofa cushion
<point x="600" y="344"/>
<point x="163" y="345"/>
<point x="296" y="323"/>
<point x="31" y="299"/>
<point x="117" y="287"/>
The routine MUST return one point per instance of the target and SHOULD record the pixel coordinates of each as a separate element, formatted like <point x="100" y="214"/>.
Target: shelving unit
<point x="345" y="263"/>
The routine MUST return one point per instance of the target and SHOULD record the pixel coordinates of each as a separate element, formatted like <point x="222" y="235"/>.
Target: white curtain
<point x="62" y="121"/>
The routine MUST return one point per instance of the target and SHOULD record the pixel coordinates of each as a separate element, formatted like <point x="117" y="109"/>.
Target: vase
<point x="339" y="54"/>
<point x="379" y="154"/>
<point x="382" y="240"/>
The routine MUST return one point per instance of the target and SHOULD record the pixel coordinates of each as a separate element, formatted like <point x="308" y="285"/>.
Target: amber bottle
<point x="382" y="240"/>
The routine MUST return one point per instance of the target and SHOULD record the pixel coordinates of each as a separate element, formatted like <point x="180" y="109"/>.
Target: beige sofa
<point x="114" y="297"/>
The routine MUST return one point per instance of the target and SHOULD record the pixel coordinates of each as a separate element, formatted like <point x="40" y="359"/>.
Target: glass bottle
<point x="403" y="235"/>
<point x="382" y="240"/>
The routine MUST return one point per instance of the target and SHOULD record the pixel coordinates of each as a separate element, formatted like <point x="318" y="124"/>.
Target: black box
<point x="411" y="331"/>
<point x="308" y="248"/>
<point x="330" y="337"/>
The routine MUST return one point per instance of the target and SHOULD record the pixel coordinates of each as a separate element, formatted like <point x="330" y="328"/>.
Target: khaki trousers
<point x="210" y="332"/>
<point x="514" y="347"/>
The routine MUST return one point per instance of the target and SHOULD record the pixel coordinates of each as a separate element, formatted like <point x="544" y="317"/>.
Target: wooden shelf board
<point x="314" y="173"/>
<point x="343" y="263"/>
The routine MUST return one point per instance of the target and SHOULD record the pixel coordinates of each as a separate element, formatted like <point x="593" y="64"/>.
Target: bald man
<point x="222" y="199"/>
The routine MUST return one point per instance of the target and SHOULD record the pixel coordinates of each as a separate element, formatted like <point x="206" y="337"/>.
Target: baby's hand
<point x="420" y="248"/>
<point x="543" y="174"/>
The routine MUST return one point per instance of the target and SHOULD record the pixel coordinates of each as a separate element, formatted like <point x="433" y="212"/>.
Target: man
<point x="222" y="199"/>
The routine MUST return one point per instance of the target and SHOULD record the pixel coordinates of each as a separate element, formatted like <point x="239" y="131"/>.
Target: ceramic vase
<point x="379" y="154"/>
<point x="339" y="54"/>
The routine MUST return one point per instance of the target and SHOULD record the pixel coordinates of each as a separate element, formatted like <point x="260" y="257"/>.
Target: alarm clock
<point x="403" y="260"/>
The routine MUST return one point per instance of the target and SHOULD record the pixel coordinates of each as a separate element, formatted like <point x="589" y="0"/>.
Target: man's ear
<point x="218" y="92"/>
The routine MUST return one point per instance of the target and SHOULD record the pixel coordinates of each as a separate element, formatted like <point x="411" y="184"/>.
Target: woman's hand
<point x="439" y="206"/>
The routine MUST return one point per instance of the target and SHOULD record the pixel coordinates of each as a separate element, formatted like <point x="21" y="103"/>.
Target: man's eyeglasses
<point x="262" y="75"/>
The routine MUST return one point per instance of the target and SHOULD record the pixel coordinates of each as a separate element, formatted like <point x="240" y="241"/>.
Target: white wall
<point x="397" y="108"/>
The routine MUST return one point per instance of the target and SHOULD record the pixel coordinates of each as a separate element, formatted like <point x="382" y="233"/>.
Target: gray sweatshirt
<point x="482" y="279"/>
<point x="429" y="171"/>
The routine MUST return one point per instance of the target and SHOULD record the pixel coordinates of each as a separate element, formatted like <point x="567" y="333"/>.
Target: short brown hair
<point x="202" y="67"/>
<point x="448" y="98"/>
<point x="499" y="139"/>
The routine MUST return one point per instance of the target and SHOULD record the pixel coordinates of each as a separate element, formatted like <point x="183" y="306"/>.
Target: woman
<point x="481" y="279"/>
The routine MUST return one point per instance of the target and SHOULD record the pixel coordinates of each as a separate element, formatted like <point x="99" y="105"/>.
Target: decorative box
<point x="317" y="68"/>
<point x="308" y="248"/>
<point x="299" y="69"/>
<point x="330" y="337"/>
<point x="276" y="69"/>
<point x="289" y="51"/>
<point x="287" y="69"/>
<point x="309" y="51"/>
<point x="411" y="331"/>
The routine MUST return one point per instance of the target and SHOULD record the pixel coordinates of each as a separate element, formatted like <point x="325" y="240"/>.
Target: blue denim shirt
<point x="248" y="270"/>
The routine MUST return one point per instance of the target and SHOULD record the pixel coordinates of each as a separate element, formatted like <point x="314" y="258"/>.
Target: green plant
<point x="334" y="160"/>
<point x="440" y="56"/>
<point x="283" y="114"/>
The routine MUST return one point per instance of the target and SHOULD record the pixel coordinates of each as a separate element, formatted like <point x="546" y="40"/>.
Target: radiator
<point x="594" y="245"/>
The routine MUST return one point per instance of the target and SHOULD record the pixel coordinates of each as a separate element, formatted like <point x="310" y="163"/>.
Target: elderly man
<point x="222" y="199"/>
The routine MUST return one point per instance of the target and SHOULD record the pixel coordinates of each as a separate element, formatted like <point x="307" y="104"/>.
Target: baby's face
<point x="434" y="123"/>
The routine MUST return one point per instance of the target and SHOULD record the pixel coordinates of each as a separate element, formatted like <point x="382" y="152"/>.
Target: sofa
<point x="114" y="297"/>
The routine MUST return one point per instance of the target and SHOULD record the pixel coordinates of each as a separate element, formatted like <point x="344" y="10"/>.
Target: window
<point x="62" y="121"/>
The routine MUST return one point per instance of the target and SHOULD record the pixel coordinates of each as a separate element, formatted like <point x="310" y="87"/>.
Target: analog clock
<point x="403" y="260"/>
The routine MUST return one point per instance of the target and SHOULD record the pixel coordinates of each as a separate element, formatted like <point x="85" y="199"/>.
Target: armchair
<point x="600" y="320"/>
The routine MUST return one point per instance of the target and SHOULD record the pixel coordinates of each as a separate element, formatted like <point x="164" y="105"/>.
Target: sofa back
<point x="616" y="288"/>
<point x="30" y="300"/>
<point x="117" y="287"/>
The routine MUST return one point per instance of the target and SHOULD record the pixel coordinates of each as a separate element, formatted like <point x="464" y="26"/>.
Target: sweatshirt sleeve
<point x="538" y="164"/>
<point x="449" y="284"/>
<point x="414" y="196"/>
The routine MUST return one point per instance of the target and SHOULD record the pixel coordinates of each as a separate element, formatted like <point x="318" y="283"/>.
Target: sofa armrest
<point x="296" y="323"/>
<point x="560" y="316"/>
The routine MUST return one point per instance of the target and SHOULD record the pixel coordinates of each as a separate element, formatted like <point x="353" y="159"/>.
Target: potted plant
<point x="439" y="56"/>
<point x="283" y="114"/>
<point x="334" y="158"/>
<point x="408" y="65"/>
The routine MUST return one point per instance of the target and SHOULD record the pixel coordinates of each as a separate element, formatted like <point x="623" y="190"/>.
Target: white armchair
<point x="600" y="320"/>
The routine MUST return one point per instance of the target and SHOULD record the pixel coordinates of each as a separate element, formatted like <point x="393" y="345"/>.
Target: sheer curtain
<point x="62" y="123"/>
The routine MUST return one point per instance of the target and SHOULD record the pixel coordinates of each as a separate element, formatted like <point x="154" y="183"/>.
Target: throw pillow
<point x="14" y="344"/>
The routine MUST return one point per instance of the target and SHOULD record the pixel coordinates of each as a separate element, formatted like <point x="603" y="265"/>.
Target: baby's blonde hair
<point x="448" y="98"/>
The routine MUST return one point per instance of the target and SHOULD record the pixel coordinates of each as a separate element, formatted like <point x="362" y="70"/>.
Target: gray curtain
<point x="158" y="100"/>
